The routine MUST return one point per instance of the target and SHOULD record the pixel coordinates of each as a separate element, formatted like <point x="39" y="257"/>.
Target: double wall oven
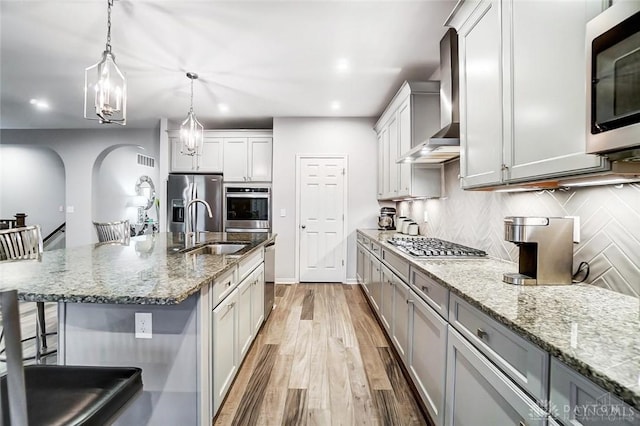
<point x="247" y="207"/>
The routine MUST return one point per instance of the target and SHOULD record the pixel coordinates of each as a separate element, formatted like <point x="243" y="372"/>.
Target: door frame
<point x="299" y="158"/>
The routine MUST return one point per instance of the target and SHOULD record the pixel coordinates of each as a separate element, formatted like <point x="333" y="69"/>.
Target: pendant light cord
<point x="109" y="4"/>
<point x="191" y="109"/>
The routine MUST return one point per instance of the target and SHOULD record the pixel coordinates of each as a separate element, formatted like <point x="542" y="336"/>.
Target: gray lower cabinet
<point x="478" y="393"/>
<point x="427" y="355"/>
<point x="225" y="359"/>
<point x="366" y="272"/>
<point x="522" y="361"/>
<point x="376" y="284"/>
<point x="386" y="310"/>
<point x="576" y="401"/>
<point x="360" y="263"/>
<point x="400" y="323"/>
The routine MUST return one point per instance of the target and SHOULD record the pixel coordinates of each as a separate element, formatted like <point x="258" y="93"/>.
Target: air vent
<point x="145" y="160"/>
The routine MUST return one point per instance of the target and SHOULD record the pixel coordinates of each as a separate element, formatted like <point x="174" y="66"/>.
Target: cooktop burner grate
<point x="434" y="247"/>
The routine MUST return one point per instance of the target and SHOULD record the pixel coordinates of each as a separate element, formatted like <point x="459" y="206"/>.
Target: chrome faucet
<point x="188" y="225"/>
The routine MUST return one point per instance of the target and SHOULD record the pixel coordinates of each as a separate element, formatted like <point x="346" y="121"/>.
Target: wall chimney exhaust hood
<point x="445" y="144"/>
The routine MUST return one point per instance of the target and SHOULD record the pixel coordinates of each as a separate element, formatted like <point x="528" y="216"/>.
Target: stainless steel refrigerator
<point x="181" y="189"/>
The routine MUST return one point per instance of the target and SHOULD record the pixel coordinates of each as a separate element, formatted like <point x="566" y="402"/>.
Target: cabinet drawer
<point x="375" y="248"/>
<point x="396" y="263"/>
<point x="250" y="263"/>
<point x="364" y="240"/>
<point x="478" y="393"/>
<point x="525" y="363"/>
<point x="223" y="286"/>
<point x="575" y="400"/>
<point x="436" y="295"/>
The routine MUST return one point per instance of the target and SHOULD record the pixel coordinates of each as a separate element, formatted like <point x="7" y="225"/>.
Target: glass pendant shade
<point x="105" y="91"/>
<point x="191" y="135"/>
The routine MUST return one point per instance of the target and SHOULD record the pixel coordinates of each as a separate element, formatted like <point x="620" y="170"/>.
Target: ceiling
<point x="262" y="59"/>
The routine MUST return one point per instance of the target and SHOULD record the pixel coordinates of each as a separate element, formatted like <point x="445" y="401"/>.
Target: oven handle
<point x="247" y="195"/>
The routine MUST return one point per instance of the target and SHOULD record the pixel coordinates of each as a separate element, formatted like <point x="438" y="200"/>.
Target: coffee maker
<point x="546" y="249"/>
<point x="387" y="219"/>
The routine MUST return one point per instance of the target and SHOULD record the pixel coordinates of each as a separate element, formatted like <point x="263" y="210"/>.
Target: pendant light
<point x="105" y="88"/>
<point x="191" y="131"/>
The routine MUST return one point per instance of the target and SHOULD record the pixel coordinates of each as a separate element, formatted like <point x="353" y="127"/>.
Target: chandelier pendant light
<point x="191" y="131"/>
<point x="105" y="87"/>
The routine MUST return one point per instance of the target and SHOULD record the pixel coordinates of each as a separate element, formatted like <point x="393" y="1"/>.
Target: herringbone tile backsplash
<point x="609" y="224"/>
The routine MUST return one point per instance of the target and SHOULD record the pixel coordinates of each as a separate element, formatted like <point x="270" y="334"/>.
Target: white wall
<point x="351" y="136"/>
<point x="32" y="182"/>
<point x="114" y="192"/>
<point x="79" y="150"/>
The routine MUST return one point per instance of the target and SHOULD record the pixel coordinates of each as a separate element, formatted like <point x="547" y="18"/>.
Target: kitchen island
<point x="576" y="331"/>
<point x="99" y="290"/>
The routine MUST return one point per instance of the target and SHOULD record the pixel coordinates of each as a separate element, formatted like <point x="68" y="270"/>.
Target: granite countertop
<point x="148" y="270"/>
<point x="593" y="330"/>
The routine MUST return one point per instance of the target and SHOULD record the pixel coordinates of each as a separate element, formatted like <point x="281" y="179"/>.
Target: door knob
<point x="303" y="226"/>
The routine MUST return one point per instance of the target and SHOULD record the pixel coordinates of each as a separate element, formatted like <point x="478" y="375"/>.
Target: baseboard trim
<point x="286" y="281"/>
<point x="352" y="281"/>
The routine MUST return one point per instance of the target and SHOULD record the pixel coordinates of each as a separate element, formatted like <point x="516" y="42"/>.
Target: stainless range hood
<point x="445" y="144"/>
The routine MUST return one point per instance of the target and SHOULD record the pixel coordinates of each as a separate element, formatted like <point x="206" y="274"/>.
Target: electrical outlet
<point x="144" y="328"/>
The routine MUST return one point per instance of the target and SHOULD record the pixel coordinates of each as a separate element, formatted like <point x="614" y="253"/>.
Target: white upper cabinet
<point x="522" y="90"/>
<point x="248" y="159"/>
<point x="480" y="97"/>
<point x="235" y="160"/>
<point x="212" y="155"/>
<point x="260" y="159"/>
<point x="210" y="161"/>
<point x="410" y="118"/>
<point x="241" y="155"/>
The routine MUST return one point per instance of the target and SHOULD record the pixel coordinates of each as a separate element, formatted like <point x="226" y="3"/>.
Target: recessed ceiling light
<point x="342" y="65"/>
<point x="223" y="107"/>
<point x="39" y="103"/>
<point x="335" y="105"/>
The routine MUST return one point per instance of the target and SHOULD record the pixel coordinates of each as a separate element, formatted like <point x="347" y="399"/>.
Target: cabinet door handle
<point x="409" y="301"/>
<point x="481" y="333"/>
<point x="425" y="289"/>
<point x="522" y="423"/>
<point x="228" y="284"/>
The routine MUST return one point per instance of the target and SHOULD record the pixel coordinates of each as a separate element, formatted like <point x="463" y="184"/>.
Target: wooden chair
<point x="113" y="232"/>
<point x="26" y="244"/>
<point x="59" y="394"/>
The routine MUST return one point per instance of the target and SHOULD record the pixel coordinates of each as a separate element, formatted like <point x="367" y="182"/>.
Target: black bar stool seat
<point x="70" y="395"/>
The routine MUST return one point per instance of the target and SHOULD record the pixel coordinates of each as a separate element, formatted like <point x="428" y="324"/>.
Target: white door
<point x="322" y="208"/>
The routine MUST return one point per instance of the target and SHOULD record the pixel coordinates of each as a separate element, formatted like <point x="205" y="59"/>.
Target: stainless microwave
<point x="613" y="76"/>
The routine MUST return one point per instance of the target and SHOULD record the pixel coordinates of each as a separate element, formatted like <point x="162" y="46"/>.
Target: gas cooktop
<point x="434" y="248"/>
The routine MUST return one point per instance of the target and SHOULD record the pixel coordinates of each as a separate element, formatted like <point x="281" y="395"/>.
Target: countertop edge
<point x="61" y="298"/>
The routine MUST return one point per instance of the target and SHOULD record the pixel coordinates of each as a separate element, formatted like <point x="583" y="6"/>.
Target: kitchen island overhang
<point x="100" y="288"/>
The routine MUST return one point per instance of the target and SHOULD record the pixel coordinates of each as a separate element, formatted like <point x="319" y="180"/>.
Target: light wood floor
<point x="320" y="359"/>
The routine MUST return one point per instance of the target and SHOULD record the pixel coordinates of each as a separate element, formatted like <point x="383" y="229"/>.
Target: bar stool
<point x="26" y="244"/>
<point x="59" y="394"/>
<point x="113" y="232"/>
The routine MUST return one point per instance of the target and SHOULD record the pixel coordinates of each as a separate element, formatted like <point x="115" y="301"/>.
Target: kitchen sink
<point x="217" y="249"/>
